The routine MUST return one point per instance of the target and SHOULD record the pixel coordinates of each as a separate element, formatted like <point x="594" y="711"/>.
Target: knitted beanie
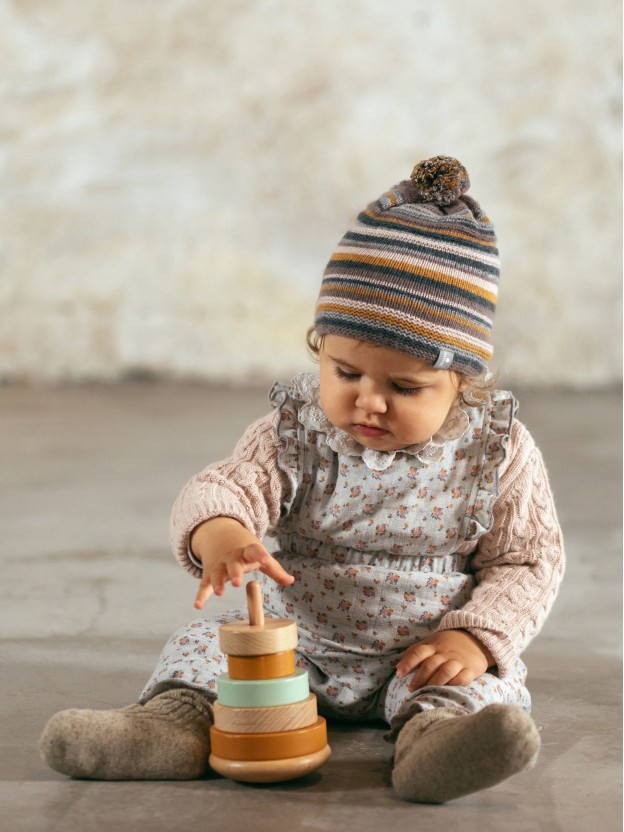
<point x="417" y="272"/>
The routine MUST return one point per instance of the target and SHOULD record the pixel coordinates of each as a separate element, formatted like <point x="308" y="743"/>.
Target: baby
<point x="416" y="541"/>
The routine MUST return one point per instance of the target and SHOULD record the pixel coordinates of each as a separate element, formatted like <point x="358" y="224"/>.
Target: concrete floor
<point x="90" y="593"/>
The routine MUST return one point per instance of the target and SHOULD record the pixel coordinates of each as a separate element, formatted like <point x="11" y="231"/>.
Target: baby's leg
<point x="456" y="740"/>
<point x="165" y="736"/>
<point x="400" y="704"/>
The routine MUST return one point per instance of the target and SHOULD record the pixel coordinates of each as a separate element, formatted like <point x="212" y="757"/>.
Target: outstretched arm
<point x="248" y="487"/>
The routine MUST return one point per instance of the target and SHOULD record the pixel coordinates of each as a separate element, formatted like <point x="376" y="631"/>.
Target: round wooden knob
<point x="266" y="720"/>
<point x="270" y="771"/>
<point x="262" y="693"/>
<point x="262" y="667"/>
<point x="269" y="746"/>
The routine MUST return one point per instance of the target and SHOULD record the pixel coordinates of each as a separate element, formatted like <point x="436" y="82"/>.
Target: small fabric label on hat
<point x="445" y="359"/>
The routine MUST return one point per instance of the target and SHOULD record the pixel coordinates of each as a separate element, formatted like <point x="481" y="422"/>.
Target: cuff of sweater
<point x="196" y="563"/>
<point x="181" y="539"/>
<point x="497" y="643"/>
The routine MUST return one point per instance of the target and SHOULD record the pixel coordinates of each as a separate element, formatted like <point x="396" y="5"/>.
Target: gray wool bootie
<point x="445" y="753"/>
<point x="165" y="739"/>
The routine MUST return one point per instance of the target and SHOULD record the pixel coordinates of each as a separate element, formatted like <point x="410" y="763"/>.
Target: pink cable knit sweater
<point x="518" y="564"/>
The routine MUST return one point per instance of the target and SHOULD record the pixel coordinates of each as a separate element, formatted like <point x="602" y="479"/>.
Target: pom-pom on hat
<point x="417" y="272"/>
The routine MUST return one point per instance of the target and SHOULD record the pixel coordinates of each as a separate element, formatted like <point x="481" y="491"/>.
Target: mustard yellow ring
<point x="275" y="746"/>
<point x="272" y="666"/>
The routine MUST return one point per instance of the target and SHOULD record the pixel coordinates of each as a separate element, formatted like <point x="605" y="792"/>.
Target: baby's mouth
<point x="370" y="431"/>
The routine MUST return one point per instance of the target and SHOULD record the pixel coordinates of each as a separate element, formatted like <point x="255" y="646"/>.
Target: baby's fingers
<point x="203" y="593"/>
<point x="412" y="657"/>
<point x="437" y="670"/>
<point x="274" y="569"/>
<point x="236" y="570"/>
<point x="253" y="555"/>
<point x="464" y="677"/>
<point x="218" y="575"/>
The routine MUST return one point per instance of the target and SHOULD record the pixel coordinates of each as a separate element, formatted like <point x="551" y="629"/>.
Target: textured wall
<point x="175" y="173"/>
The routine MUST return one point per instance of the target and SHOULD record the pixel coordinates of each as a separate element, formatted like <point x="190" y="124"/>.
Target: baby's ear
<point x="314" y="342"/>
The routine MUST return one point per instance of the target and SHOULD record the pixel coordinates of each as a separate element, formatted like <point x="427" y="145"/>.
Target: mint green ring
<point x="263" y="693"/>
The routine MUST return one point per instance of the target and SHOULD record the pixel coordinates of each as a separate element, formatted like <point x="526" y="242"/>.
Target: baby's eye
<point x="406" y="391"/>
<point x="345" y="375"/>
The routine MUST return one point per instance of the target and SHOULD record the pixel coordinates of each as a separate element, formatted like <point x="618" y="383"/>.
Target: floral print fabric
<point x="380" y="547"/>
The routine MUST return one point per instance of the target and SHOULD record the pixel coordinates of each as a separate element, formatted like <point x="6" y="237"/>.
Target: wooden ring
<point x="262" y="693"/>
<point x="273" y="666"/>
<point x="274" y="746"/>
<point x="270" y="771"/>
<point x="238" y="638"/>
<point x="266" y="720"/>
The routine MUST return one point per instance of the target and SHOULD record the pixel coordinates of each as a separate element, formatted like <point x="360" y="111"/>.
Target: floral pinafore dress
<point x="379" y="544"/>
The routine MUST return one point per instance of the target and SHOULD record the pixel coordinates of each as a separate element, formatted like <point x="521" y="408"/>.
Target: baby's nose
<point x="371" y="400"/>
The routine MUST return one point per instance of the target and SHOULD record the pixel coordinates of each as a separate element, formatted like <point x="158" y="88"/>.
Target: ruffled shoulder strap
<point x="289" y="399"/>
<point x="302" y="389"/>
<point x="496" y="415"/>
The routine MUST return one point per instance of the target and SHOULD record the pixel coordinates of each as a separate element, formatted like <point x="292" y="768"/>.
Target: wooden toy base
<point x="270" y="771"/>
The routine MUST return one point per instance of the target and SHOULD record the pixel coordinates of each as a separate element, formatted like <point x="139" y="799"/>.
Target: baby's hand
<point x="450" y="657"/>
<point x="228" y="551"/>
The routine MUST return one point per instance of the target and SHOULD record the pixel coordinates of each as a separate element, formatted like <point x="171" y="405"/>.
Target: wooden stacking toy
<point x="266" y="725"/>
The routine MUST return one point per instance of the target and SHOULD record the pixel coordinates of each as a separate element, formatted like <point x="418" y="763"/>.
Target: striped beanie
<point x="417" y="272"/>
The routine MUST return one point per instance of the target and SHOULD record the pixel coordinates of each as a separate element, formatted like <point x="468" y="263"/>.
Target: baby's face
<point x="384" y="399"/>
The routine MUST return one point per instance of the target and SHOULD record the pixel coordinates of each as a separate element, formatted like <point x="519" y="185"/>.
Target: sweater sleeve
<point x="249" y="486"/>
<point x="519" y="563"/>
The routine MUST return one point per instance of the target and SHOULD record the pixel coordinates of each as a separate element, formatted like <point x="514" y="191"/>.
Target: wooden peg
<point x="246" y="638"/>
<point x="254" y="604"/>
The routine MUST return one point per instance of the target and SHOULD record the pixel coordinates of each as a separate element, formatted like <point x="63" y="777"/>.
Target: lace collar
<point x="311" y="415"/>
